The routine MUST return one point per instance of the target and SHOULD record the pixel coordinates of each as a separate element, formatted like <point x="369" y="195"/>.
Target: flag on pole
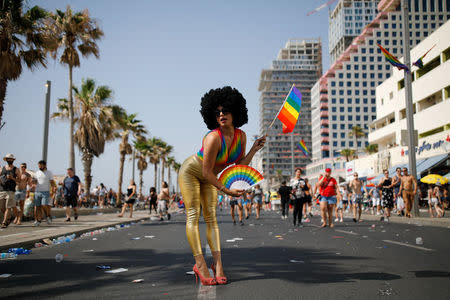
<point x="419" y="63"/>
<point x="302" y="147"/>
<point x="290" y="110"/>
<point x="393" y="60"/>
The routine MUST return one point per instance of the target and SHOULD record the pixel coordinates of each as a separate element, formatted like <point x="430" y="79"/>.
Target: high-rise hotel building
<point x="347" y="21"/>
<point x="345" y="94"/>
<point x="299" y="63"/>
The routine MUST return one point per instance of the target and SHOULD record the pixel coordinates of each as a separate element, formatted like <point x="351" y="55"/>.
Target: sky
<point x="159" y="58"/>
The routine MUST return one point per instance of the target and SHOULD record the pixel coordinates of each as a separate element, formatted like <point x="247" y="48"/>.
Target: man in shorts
<point x="9" y="177"/>
<point x="21" y="192"/>
<point x="72" y="189"/>
<point x="42" y="199"/>
<point x="408" y="189"/>
<point x="163" y="200"/>
<point x="357" y="199"/>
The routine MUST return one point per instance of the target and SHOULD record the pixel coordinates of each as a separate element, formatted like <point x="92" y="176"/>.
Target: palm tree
<point x="128" y="124"/>
<point x="155" y="157"/>
<point x="371" y="148"/>
<point x="356" y="132"/>
<point x="165" y="151"/>
<point x="22" y="42"/>
<point x="75" y="34"/>
<point x="92" y="116"/>
<point x="347" y="153"/>
<point x="170" y="161"/>
<point x="176" y="168"/>
<point x="143" y="148"/>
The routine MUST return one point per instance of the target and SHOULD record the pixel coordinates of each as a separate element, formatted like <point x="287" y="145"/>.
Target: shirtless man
<point x="21" y="192"/>
<point x="408" y="189"/>
<point x="357" y="199"/>
<point x="163" y="200"/>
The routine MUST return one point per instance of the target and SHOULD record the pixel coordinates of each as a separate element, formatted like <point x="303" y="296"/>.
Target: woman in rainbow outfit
<point x="224" y="111"/>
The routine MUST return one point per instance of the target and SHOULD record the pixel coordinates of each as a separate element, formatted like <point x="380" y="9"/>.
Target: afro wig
<point x="227" y="97"/>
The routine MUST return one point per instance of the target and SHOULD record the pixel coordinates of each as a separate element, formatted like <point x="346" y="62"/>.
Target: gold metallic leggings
<point x="197" y="192"/>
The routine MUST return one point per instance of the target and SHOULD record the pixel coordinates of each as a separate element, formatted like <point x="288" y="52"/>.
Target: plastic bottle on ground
<point x="419" y="241"/>
<point x="59" y="258"/>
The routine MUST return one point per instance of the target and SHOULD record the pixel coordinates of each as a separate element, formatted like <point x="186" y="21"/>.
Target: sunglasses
<point x="224" y="111"/>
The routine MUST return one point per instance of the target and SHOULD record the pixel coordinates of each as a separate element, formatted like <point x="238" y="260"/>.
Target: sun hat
<point x="9" y="156"/>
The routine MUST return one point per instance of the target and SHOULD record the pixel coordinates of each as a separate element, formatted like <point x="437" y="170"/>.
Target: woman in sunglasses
<point x="224" y="111"/>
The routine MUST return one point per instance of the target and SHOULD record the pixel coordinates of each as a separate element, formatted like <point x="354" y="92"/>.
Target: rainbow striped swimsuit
<point x="227" y="156"/>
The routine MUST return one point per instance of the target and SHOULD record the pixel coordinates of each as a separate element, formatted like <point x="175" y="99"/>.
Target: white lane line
<point x="408" y="245"/>
<point x="347" y="232"/>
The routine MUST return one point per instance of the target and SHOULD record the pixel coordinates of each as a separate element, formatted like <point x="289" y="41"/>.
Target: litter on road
<point x="5" y="275"/>
<point x="136" y="238"/>
<point x="138" y="280"/>
<point x="190" y="273"/>
<point x="88" y="250"/>
<point x="59" y="258"/>
<point x="297" y="261"/>
<point x="149" y="236"/>
<point x="103" y="267"/>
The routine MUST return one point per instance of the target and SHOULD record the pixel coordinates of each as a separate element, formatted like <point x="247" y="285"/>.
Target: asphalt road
<point x="351" y="261"/>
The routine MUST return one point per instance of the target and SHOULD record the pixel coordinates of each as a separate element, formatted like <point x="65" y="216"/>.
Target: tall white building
<point x="347" y="21"/>
<point x="299" y="62"/>
<point x="431" y="96"/>
<point x="345" y="94"/>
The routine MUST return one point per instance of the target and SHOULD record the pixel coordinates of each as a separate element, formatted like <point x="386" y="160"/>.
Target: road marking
<point x="347" y="232"/>
<point x="408" y="245"/>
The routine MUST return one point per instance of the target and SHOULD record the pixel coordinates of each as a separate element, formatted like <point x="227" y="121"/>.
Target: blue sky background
<point x="159" y="58"/>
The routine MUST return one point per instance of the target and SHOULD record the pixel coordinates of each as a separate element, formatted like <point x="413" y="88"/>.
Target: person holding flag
<point x="224" y="111"/>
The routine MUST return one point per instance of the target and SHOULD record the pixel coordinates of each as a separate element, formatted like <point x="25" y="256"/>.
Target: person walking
<point x="257" y="199"/>
<point x="42" y="199"/>
<point x="153" y="199"/>
<point x="163" y="200"/>
<point x="9" y="177"/>
<point x="102" y="191"/>
<point x="233" y="205"/>
<point x="408" y="190"/>
<point x="329" y="195"/>
<point x="131" y="198"/>
<point x="72" y="189"/>
<point x="299" y="187"/>
<point x="22" y="193"/>
<point x="224" y="111"/>
<point x="398" y="200"/>
<point x="307" y="207"/>
<point x="357" y="188"/>
<point x="387" y="195"/>
<point x="434" y="200"/>
<point x="284" y="193"/>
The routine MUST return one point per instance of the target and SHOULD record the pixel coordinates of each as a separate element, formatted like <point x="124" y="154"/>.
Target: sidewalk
<point x="423" y="220"/>
<point x="26" y="235"/>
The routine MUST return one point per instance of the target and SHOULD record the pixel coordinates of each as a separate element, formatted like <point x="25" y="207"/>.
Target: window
<point x="371" y="59"/>
<point x="356" y="75"/>
<point x="333" y="100"/>
<point x="333" y="109"/>
<point x="363" y="59"/>
<point x="341" y="92"/>
<point x="386" y="26"/>
<point x="349" y="92"/>
<point x="359" y="144"/>
<point x="341" y="100"/>
<point x="356" y="85"/>
<point x="356" y="60"/>
<point x="350" y="117"/>
<point x="334" y="135"/>
<point x="342" y="118"/>
<point x="342" y="126"/>
<point x="343" y="144"/>
<point x="371" y="50"/>
<point x="341" y="83"/>
<point x="333" y="83"/>
<point x="349" y="67"/>
<point x="334" y="126"/>
<point x="374" y="109"/>
<point x="335" y="144"/>
<point x="350" y="144"/>
<point x="365" y="109"/>
<point x="358" y="118"/>
<point x="371" y="67"/>
<point x="357" y="101"/>
<point x="341" y="75"/>
<point x="365" y="100"/>
<point x="341" y="109"/>
<point x="366" y="118"/>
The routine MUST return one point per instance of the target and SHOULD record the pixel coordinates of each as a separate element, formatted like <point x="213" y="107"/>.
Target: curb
<point x="420" y="221"/>
<point x="30" y="244"/>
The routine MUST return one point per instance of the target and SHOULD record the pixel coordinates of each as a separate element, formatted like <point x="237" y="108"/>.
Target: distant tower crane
<point x="321" y="7"/>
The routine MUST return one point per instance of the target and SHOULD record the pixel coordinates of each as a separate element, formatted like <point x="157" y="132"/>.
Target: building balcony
<point x="325" y="140"/>
<point x="324" y="131"/>
<point x="325" y="147"/>
<point x="324" y="122"/>
<point x="324" y="113"/>
<point x="323" y="97"/>
<point x="323" y="105"/>
<point x="323" y="87"/>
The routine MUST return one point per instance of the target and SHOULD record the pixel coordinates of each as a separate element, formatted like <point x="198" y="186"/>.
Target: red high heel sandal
<point x="203" y="280"/>
<point x="220" y="280"/>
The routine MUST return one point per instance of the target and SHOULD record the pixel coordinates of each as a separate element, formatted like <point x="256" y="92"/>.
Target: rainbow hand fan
<point x="240" y="177"/>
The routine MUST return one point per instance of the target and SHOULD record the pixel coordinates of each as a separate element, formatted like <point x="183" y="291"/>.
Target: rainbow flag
<point x="302" y="147"/>
<point x="393" y="60"/>
<point x="419" y="63"/>
<point x="290" y="110"/>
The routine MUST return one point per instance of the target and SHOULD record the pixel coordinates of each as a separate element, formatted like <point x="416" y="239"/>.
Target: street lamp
<point x="408" y="101"/>
<point x="46" y="120"/>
